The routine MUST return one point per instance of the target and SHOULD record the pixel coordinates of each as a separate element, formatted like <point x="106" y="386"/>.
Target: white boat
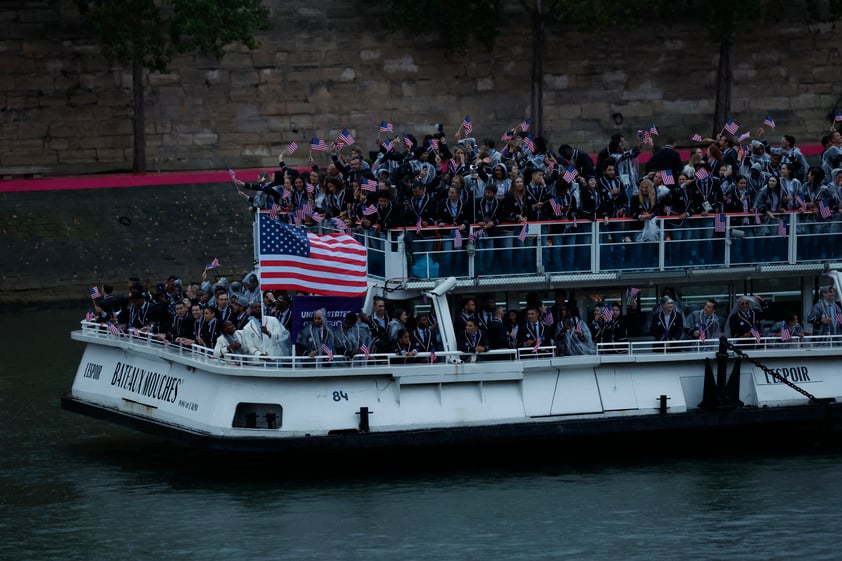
<point x="638" y="389"/>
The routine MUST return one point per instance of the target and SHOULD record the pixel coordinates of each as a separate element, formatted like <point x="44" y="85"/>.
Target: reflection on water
<point x="76" y="488"/>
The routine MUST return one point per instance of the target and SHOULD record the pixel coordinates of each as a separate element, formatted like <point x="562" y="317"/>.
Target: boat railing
<point x="605" y="246"/>
<point x="205" y="356"/>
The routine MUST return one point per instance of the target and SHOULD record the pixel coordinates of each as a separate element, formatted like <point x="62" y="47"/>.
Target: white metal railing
<point x="200" y="355"/>
<point x="582" y="247"/>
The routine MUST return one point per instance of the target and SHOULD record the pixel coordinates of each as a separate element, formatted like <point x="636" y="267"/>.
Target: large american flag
<point x="295" y="259"/>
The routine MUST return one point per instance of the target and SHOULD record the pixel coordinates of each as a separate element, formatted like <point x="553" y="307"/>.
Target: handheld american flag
<point x="786" y="334"/>
<point x="755" y="333"/>
<point x="523" y="232"/>
<point x="457" y="239"/>
<point x="555" y="206"/>
<point x="782" y="228"/>
<point x="93" y="292"/>
<point x="696" y="137"/>
<point x="702" y="336"/>
<point x="824" y="209"/>
<point x="369" y="185"/>
<point x="801" y="202"/>
<point x="570" y="174"/>
<point x="838" y="117"/>
<point x="468" y="125"/>
<point x="769" y="121"/>
<point x="538" y="343"/>
<point x="524" y="126"/>
<point x="507" y="136"/>
<point x="702" y="173"/>
<point x="529" y="143"/>
<point x="608" y="313"/>
<point x="407" y="141"/>
<point x="327" y="351"/>
<point x="744" y="136"/>
<point x="719" y="223"/>
<point x="369" y="210"/>
<point x="295" y="259"/>
<point x="387" y="144"/>
<point x="731" y="127"/>
<point x="667" y="177"/>
<point x="231" y="174"/>
<point x="386" y="126"/>
<point x="549" y="320"/>
<point x="292" y="147"/>
<point x="90" y="316"/>
<point x="756" y="215"/>
<point x="653" y="129"/>
<point x="213" y="264"/>
<point x="318" y="144"/>
<point x="346" y="137"/>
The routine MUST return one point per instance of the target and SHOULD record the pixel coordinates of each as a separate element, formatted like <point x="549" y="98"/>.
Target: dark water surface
<point x="76" y="488"/>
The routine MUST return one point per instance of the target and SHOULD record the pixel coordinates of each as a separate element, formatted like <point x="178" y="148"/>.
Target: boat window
<point x="782" y="294"/>
<point x="258" y="416"/>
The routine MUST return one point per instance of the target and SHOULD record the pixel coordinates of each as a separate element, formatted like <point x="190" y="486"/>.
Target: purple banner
<point x="336" y="306"/>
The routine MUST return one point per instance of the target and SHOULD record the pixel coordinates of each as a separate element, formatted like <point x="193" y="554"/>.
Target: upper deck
<point x="584" y="253"/>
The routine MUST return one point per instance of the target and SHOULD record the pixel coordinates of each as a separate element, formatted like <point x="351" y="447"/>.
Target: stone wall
<point x="55" y="245"/>
<point x="330" y="65"/>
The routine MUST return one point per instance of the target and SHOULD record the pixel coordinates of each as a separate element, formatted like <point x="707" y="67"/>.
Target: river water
<point x="77" y="488"/>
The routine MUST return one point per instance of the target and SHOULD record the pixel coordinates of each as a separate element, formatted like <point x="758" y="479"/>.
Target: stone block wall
<point x="55" y="245"/>
<point x="332" y="65"/>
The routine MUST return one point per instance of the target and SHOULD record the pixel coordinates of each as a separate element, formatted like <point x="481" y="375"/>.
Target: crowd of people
<point x="232" y="320"/>
<point x="436" y="193"/>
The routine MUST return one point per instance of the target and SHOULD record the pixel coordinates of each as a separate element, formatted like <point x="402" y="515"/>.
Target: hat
<point x="666" y="300"/>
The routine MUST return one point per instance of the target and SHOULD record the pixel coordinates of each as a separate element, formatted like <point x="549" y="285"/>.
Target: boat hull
<point x="620" y="398"/>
